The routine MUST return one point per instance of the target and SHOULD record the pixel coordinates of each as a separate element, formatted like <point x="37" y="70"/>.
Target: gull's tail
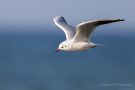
<point x="100" y="45"/>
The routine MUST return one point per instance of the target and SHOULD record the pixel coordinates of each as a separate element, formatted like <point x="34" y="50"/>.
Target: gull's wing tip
<point x="121" y="19"/>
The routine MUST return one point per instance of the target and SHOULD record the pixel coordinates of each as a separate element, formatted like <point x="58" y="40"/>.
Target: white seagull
<point x="78" y="38"/>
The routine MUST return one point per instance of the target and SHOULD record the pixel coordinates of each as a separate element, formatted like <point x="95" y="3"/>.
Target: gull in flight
<point x="78" y="39"/>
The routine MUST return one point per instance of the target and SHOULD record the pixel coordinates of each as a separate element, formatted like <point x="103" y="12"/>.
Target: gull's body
<point x="78" y="38"/>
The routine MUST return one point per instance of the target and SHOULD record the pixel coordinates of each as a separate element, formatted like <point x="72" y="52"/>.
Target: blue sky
<point x="41" y="12"/>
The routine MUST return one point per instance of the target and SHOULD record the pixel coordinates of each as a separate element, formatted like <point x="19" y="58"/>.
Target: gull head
<point x="62" y="47"/>
<point x="59" y="19"/>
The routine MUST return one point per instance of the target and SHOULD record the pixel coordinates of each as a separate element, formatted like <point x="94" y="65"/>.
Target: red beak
<point x="57" y="50"/>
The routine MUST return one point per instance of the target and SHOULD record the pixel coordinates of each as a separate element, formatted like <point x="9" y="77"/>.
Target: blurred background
<point x="28" y="39"/>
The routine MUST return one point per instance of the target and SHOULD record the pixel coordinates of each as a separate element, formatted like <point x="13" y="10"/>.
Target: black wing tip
<point x="120" y="19"/>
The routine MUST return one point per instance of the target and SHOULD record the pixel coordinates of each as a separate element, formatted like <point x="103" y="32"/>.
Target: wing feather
<point x="85" y="29"/>
<point x="68" y="29"/>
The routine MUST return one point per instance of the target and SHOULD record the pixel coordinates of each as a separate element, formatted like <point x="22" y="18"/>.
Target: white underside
<point x="79" y="46"/>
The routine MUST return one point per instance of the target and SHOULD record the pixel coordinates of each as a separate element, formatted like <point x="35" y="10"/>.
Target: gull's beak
<point x="57" y="50"/>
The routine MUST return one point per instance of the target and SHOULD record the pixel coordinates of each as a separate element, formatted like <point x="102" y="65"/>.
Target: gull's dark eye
<point x="61" y="47"/>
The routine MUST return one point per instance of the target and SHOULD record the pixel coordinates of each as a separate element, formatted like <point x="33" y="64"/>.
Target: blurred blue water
<point x="28" y="62"/>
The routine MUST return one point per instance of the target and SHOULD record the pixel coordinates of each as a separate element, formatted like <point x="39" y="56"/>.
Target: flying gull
<point x="78" y="39"/>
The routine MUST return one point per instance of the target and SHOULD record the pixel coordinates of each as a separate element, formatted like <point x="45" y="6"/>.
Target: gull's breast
<point x="79" y="46"/>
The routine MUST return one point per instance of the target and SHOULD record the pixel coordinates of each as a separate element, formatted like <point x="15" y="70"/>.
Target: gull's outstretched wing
<point x="68" y="30"/>
<point x="85" y="29"/>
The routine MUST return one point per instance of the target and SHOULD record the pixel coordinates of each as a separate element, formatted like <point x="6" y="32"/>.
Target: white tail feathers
<point x="100" y="45"/>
